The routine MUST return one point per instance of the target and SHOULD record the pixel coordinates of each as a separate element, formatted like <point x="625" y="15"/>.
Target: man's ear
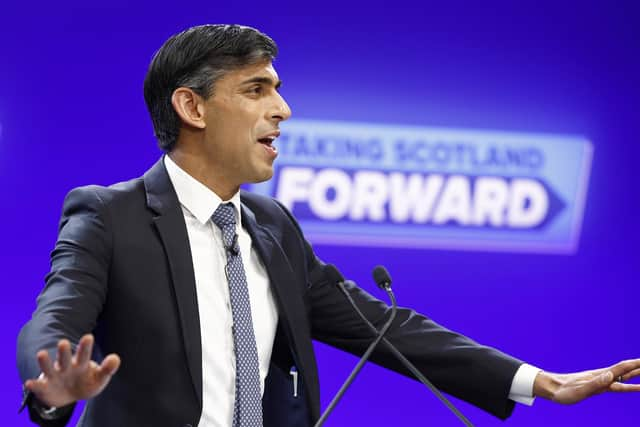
<point x="189" y="107"/>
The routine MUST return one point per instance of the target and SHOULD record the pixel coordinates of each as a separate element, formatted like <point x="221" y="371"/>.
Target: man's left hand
<point x="573" y="388"/>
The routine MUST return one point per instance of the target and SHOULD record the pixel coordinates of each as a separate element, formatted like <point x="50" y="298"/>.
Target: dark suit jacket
<point x="122" y="269"/>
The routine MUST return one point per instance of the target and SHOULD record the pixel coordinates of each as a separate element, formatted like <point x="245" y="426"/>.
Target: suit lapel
<point x="288" y="299"/>
<point x="169" y="221"/>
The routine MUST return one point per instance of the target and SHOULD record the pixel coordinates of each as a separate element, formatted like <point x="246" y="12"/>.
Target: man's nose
<point x="280" y="110"/>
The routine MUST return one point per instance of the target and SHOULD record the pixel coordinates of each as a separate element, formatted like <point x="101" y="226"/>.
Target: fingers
<point x="621" y="372"/>
<point x="45" y="363"/>
<point x="84" y="350"/>
<point x="108" y="367"/>
<point x="35" y="386"/>
<point x="65" y="358"/>
<point x="64" y="355"/>
<point x="622" y="388"/>
<point x="73" y="366"/>
<point x="625" y="367"/>
<point x="629" y="375"/>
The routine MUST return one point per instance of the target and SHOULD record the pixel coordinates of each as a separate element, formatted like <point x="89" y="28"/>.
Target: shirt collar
<point x="195" y="196"/>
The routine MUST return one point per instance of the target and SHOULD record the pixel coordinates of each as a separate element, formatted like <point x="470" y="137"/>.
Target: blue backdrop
<point x="72" y="113"/>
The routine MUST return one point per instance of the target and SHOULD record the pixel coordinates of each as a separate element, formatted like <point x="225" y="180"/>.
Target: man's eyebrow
<point x="263" y="80"/>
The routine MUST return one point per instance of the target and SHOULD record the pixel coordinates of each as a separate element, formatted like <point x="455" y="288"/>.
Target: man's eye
<point x="256" y="90"/>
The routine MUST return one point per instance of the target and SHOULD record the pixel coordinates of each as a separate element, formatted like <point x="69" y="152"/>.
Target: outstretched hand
<point x="573" y="388"/>
<point x="71" y="377"/>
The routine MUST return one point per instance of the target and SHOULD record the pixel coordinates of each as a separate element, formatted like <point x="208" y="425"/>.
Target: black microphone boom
<point x="383" y="280"/>
<point x="356" y="370"/>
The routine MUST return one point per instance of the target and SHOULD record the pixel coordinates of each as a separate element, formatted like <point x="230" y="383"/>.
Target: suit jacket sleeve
<point x="456" y="364"/>
<point x="76" y="286"/>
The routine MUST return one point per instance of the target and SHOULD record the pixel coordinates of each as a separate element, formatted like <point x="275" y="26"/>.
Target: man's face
<point x="242" y="120"/>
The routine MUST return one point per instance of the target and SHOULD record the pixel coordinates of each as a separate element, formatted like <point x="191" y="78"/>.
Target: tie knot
<point x="225" y="215"/>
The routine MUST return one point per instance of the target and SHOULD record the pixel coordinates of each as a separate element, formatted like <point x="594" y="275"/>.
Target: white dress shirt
<point x="522" y="384"/>
<point x="214" y="307"/>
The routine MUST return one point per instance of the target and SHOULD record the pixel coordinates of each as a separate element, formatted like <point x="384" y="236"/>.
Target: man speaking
<point x="175" y="299"/>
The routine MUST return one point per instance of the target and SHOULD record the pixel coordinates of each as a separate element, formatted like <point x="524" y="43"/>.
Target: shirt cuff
<point x="522" y="384"/>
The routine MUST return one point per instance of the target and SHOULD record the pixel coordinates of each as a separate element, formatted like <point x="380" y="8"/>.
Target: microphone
<point x="356" y="370"/>
<point x="380" y="276"/>
<point x="234" y="247"/>
<point x="383" y="280"/>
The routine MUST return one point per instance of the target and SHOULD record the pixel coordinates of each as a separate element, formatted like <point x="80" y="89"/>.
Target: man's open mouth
<point x="268" y="140"/>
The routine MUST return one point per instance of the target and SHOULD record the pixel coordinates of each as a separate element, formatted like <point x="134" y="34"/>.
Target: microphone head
<point x="333" y="274"/>
<point x="234" y="247"/>
<point x="381" y="277"/>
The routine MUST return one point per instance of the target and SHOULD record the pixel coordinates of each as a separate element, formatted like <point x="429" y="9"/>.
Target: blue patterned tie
<point x="247" y="409"/>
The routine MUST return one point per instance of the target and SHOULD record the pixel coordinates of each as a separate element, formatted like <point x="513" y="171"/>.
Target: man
<point x="205" y="299"/>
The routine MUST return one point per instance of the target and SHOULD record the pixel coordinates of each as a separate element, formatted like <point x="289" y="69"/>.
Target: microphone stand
<point x="410" y="366"/>
<point x="363" y="360"/>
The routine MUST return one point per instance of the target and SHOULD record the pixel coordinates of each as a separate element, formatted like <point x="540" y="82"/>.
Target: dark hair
<point x="196" y="58"/>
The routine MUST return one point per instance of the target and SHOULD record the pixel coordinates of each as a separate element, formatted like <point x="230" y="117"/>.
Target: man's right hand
<point x="71" y="377"/>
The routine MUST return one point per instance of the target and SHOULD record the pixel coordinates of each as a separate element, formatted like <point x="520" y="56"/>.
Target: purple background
<point x="72" y="113"/>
